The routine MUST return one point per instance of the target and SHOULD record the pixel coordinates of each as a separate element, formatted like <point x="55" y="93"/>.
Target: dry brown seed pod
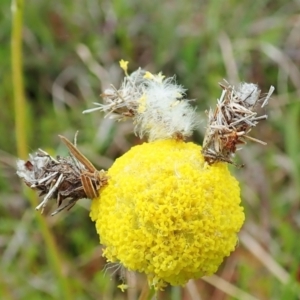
<point x="232" y="120"/>
<point x="65" y="179"/>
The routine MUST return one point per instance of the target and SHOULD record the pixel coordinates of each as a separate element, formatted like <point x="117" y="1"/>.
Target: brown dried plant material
<point x="123" y="103"/>
<point x="232" y="120"/>
<point x="66" y="179"/>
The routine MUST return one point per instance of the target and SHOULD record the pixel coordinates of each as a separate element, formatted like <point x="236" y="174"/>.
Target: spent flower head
<point x="231" y="121"/>
<point x="166" y="208"/>
<point x="156" y="104"/>
<point x="65" y="179"/>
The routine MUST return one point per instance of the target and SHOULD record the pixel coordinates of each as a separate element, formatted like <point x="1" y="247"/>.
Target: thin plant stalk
<point x="21" y="137"/>
<point x="17" y="77"/>
<point x="147" y="293"/>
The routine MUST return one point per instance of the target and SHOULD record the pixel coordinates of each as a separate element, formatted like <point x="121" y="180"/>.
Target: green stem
<point x="147" y="293"/>
<point x="151" y="294"/>
<point x="17" y="77"/>
<point x="21" y="137"/>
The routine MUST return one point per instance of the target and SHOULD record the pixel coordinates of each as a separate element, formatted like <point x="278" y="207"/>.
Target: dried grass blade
<point x="78" y="155"/>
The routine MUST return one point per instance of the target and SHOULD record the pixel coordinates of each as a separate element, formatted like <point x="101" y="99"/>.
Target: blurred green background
<point x="71" y="51"/>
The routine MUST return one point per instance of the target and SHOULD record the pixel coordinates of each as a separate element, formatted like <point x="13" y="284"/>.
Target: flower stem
<point x="147" y="293"/>
<point x="17" y="77"/>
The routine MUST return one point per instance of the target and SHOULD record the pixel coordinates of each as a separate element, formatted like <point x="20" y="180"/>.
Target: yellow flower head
<point x="168" y="214"/>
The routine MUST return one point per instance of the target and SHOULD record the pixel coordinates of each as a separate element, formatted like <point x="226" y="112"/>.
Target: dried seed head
<point x="155" y="103"/>
<point x="66" y="179"/>
<point x="232" y="120"/>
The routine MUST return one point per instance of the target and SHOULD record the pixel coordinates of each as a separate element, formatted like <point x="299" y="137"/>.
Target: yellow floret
<point x="168" y="214"/>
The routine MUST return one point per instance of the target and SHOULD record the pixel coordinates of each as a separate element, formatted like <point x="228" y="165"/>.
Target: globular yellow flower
<point x="167" y="213"/>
